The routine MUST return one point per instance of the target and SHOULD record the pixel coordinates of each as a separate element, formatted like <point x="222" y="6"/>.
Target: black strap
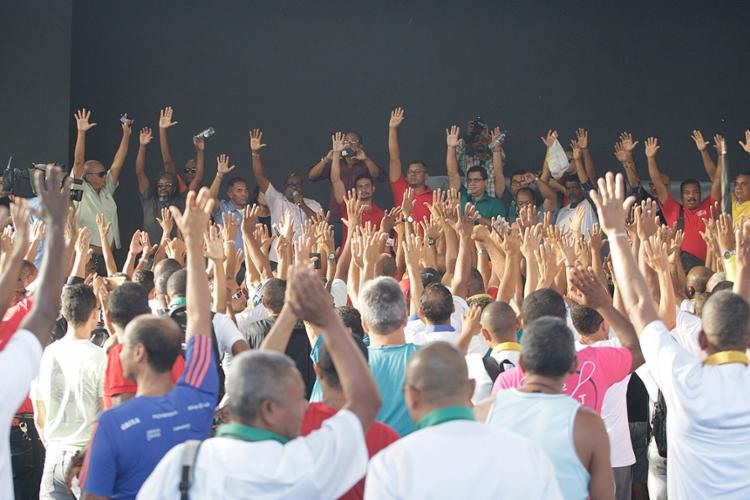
<point x="493" y="368"/>
<point x="189" y="459"/>
<point x="680" y="220"/>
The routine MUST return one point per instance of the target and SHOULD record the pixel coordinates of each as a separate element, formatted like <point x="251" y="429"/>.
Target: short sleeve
<point x="668" y="361"/>
<point x="671" y="210"/>
<point x="100" y="467"/>
<point x="19" y="362"/>
<point x="110" y="185"/>
<point x="616" y="361"/>
<point x="340" y="454"/>
<point x="398" y="187"/>
<point x="226" y="333"/>
<point x="200" y="368"/>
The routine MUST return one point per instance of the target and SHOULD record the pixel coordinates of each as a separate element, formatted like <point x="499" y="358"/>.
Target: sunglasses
<point x="165" y="186"/>
<point x="98" y="174"/>
<point x="189" y="170"/>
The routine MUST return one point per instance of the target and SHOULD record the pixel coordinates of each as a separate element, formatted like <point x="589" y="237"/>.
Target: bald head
<point x="438" y="372"/>
<point x="697" y="279"/>
<point x="499" y="319"/>
<point x="726" y="321"/>
<point x="160" y="337"/>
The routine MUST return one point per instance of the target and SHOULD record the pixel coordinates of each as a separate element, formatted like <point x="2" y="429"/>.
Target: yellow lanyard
<point x="507" y="346"/>
<point x="726" y="357"/>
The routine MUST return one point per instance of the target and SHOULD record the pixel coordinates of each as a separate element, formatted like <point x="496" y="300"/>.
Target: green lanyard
<point x="247" y="433"/>
<point x="445" y="414"/>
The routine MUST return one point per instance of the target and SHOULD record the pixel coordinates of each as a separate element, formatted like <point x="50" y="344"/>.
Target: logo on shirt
<point x="168" y="414"/>
<point x="153" y="434"/>
<point x="130" y="423"/>
<point x="199" y="406"/>
<point x="183" y="427"/>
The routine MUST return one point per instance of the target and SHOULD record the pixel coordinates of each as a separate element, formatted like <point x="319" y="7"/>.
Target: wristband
<point x="255" y="154"/>
<point x="618" y="235"/>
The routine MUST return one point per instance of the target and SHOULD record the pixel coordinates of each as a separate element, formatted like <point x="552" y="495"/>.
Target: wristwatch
<point x="430" y="241"/>
<point x="409" y="219"/>
<point x="331" y="256"/>
<point x="728" y="254"/>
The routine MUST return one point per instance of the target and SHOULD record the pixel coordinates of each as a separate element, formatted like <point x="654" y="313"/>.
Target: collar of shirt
<point x="507" y="346"/>
<point x="439" y="328"/>
<point x="247" y="433"/>
<point x="726" y="357"/>
<point x="445" y="414"/>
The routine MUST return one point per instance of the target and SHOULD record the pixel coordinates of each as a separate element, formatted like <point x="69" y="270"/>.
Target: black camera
<point x="20" y="181"/>
<point x="347" y="153"/>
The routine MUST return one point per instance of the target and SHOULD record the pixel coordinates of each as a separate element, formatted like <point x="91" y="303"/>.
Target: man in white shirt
<point x="708" y="421"/>
<point x="68" y="394"/>
<point x="437" y="392"/>
<point x="266" y="405"/>
<point x="499" y="327"/>
<point x="19" y="360"/>
<point x="579" y="214"/>
<point x="289" y="200"/>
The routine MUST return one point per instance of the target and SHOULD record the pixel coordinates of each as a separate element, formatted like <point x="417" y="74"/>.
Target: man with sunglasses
<point x="99" y="186"/>
<point x="153" y="200"/>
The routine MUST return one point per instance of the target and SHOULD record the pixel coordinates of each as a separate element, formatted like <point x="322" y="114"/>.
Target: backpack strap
<point x="680" y="220"/>
<point x="187" y="463"/>
<point x="493" y="368"/>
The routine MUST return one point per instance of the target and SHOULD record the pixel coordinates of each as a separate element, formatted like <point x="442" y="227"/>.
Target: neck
<point x="151" y="383"/>
<point x="419" y="189"/>
<point x="333" y="397"/>
<point x="442" y="323"/>
<point x="237" y="206"/>
<point x="539" y="383"/>
<point x="494" y="343"/>
<point x="427" y="408"/>
<point x="78" y="332"/>
<point x="592" y="338"/>
<point x="478" y="197"/>
<point x="393" y="338"/>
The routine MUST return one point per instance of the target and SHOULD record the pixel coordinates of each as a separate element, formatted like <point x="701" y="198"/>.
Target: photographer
<point x="99" y="186"/>
<point x="482" y="148"/>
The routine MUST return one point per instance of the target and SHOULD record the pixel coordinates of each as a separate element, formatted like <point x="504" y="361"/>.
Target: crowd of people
<point x="513" y="334"/>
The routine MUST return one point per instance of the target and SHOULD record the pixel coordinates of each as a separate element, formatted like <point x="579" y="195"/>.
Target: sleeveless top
<point x="547" y="420"/>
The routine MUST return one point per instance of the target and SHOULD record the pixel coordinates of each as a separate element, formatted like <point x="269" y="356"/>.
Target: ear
<point x="139" y="353"/>
<point x="521" y="363"/>
<point x="702" y="340"/>
<point x="471" y="386"/>
<point x="485" y="334"/>
<point x="366" y="327"/>
<point x="411" y="398"/>
<point x="267" y="412"/>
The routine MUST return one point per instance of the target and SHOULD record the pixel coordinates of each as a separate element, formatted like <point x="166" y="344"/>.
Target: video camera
<point x="20" y="181"/>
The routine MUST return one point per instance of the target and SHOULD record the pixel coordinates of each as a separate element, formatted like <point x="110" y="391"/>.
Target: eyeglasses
<point x="165" y="186"/>
<point x="98" y="174"/>
<point x="239" y="294"/>
<point x="415" y="172"/>
<point x="474" y="179"/>
<point x="348" y="142"/>
<point x="189" y="170"/>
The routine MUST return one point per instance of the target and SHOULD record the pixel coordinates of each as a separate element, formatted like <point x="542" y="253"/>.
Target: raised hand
<point x="166" y="222"/>
<point x="145" y="136"/>
<point x="652" y="146"/>
<point x="496" y="139"/>
<point x="431" y="228"/>
<point x="588" y="291"/>
<point x="126" y="125"/>
<point x="452" y="136"/>
<point x="511" y="244"/>
<point x="256" y="140"/>
<point x="165" y="118"/>
<point x="470" y="321"/>
<point x="102" y="226"/>
<point x="531" y="240"/>
<point x="200" y="144"/>
<point x="576" y="149"/>
<point x="354" y="209"/>
<point x="136" y="245"/>
<point x="194" y="220"/>
<point x="214" y="245"/>
<point x="286" y="225"/>
<point x="656" y="254"/>
<point x="700" y="142"/>
<point x="148" y="249"/>
<point x="550" y="138"/>
<point x="397" y="118"/>
<point x="19" y="214"/>
<point x="83" y="243"/>
<point x="645" y="219"/>
<point x="621" y="154"/>
<point x="746" y="145"/>
<point x="412" y="246"/>
<point x="627" y="142"/>
<point x="54" y="193"/>
<point x="307" y="298"/>
<point x="582" y="138"/>
<point x="611" y="205"/>
<point x="82" y="120"/>
<point x="229" y="224"/>
<point x="222" y="165"/>
<point x="719" y="143"/>
<point x="407" y="204"/>
<point x="175" y="249"/>
<point x="389" y="219"/>
<point x="725" y="232"/>
<point x="337" y="142"/>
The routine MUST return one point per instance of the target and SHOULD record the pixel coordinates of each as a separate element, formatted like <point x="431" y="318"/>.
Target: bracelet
<point x="255" y="154"/>
<point x="618" y="235"/>
<point x="323" y="159"/>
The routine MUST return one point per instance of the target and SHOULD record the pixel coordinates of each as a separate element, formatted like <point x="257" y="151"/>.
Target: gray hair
<point x="726" y="321"/>
<point x="547" y="347"/>
<point x="382" y="305"/>
<point x="254" y="377"/>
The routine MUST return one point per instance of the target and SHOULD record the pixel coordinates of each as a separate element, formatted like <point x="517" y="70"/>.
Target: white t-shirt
<point x="339" y="292"/>
<point x="459" y="459"/>
<point x="323" y="464"/>
<point x="477" y="371"/>
<point x="565" y="217"/>
<point x="708" y="419"/>
<point x="227" y="334"/>
<point x="615" y="414"/>
<point x="69" y="385"/>
<point x="19" y="364"/>
<point x="278" y="204"/>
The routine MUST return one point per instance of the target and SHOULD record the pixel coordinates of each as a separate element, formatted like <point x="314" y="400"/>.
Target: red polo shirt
<point x="422" y="201"/>
<point x="373" y="214"/>
<point x="378" y="436"/>
<point x="693" y="224"/>
<point x="9" y="325"/>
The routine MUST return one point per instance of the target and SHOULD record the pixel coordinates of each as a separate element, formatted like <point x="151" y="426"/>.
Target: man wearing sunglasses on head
<point x="99" y="186"/>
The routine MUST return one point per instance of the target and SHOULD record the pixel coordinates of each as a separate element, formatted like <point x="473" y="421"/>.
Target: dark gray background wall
<point x="301" y="70"/>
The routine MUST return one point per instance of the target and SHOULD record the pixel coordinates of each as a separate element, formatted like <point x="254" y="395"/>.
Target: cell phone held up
<point x="315" y="258"/>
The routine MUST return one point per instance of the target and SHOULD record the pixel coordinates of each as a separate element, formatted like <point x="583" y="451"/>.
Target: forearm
<point x="252" y="248"/>
<point x="511" y="276"/>
<point x="372" y="168"/>
<point x="215" y="186"/>
<point x="655" y="174"/>
<point x="281" y="331"/>
<point x="451" y="248"/>
<point x="259" y="172"/>
<point x="345" y="260"/>
<point x="532" y="276"/>
<point x="394" y="155"/>
<point x="415" y="289"/>
<point x="635" y="293"/>
<point x="119" y="159"/>
<point x="79" y="155"/>
<point x="352" y="284"/>
<point x="200" y="170"/>
<point x="9" y="278"/>
<point x="631" y="173"/>
<point x="451" y="163"/>
<point x="708" y="163"/>
<point x="588" y="163"/>
<point x="624" y="331"/>
<point x="166" y="154"/>
<point x="219" y="288"/>
<point x="498" y="164"/>
<point x="316" y="171"/>
<point x="339" y="190"/>
<point x="667" y="299"/>
<point x="198" y="309"/>
<point x="109" y="258"/>
<point x="140" y="169"/>
<point x="463" y="266"/>
<point x="32" y="250"/>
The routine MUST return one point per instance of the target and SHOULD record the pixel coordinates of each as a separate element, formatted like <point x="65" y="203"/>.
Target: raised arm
<point x="165" y="122"/>
<point x="656" y="257"/>
<point x="613" y="209"/>
<point x="200" y="164"/>
<point x="122" y="150"/>
<point x="310" y="302"/>
<point x="109" y="258"/>
<point x="339" y="190"/>
<point x="79" y="156"/>
<point x="582" y="139"/>
<point x="716" y="192"/>
<point x="652" y="146"/>
<point x="742" y="241"/>
<point x="222" y="169"/>
<point x="192" y="223"/>
<point x="256" y="144"/>
<point x="252" y="247"/>
<point x="214" y="244"/>
<point x="411" y="246"/>
<point x="144" y="138"/>
<point x="624" y="154"/>
<point x="702" y="145"/>
<point x="55" y="196"/>
<point x="498" y="162"/>
<point x="12" y="270"/>
<point x="394" y="152"/>
<point x="451" y="160"/>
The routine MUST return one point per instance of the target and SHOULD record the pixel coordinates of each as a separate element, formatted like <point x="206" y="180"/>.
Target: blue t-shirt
<point x="226" y="206"/>
<point x="388" y="365"/>
<point x="130" y="440"/>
